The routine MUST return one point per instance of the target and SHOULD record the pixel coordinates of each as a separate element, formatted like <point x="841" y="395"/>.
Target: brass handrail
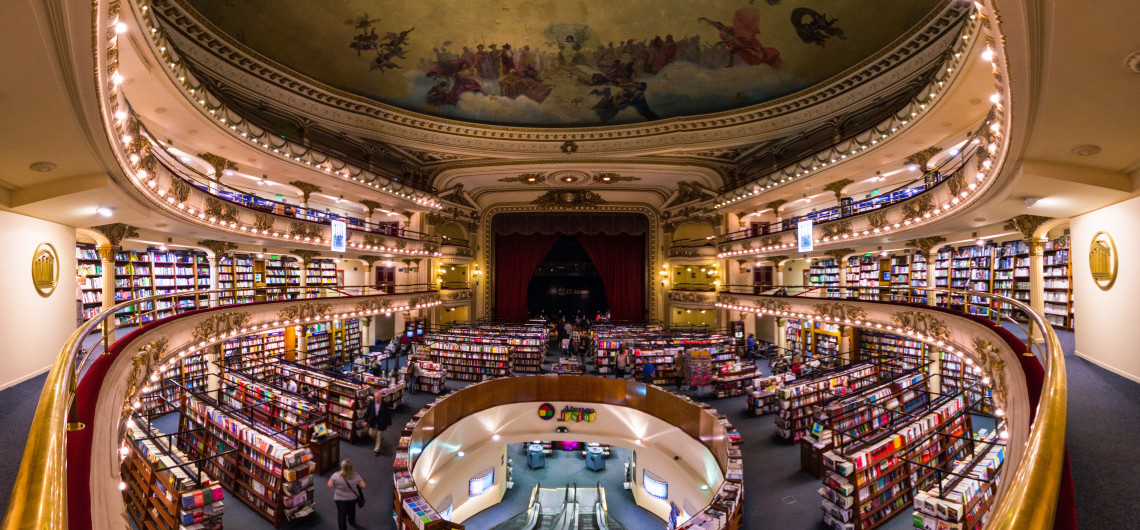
<point x="39" y="496"/>
<point x="1038" y="474"/>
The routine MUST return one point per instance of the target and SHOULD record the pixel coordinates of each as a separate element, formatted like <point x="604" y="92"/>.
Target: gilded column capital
<point x="1037" y="247"/>
<point x="107" y="252"/>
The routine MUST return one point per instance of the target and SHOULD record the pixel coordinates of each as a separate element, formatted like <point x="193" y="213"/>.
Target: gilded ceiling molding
<point x="839" y="253"/>
<point x="527" y="178"/>
<point x="610" y="177"/>
<point x="922" y="158"/>
<point x="568" y="199"/>
<point x="382" y="305"/>
<point x="117" y="232"/>
<point x="219" y="164"/>
<point x="923" y="245"/>
<point x="217" y="53"/>
<point x="219" y="209"/>
<point x="142" y="364"/>
<point x="923" y="323"/>
<point x="217" y="247"/>
<point x="1026" y="224"/>
<point x="306" y="188"/>
<point x="835" y="228"/>
<point x="305" y="254"/>
<point x="989" y="358"/>
<point x="837" y="187"/>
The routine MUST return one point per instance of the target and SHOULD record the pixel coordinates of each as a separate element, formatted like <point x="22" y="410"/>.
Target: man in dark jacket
<point x="378" y="417"/>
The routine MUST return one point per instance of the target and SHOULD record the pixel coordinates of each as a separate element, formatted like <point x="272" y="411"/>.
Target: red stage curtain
<point x="620" y="260"/>
<point x="516" y="258"/>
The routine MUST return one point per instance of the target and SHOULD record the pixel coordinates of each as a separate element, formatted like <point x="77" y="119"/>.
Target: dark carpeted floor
<point x="1103" y="421"/>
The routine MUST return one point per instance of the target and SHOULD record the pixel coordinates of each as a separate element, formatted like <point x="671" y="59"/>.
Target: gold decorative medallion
<point x="1103" y="260"/>
<point x="45" y="269"/>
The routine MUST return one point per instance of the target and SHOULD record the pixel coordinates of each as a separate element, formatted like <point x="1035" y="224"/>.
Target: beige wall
<point x="793" y="271"/>
<point x="34" y="328"/>
<point x="1102" y="317"/>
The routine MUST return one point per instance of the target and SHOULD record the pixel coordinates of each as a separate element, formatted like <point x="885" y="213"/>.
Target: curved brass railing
<point x="39" y="497"/>
<point x="1030" y="501"/>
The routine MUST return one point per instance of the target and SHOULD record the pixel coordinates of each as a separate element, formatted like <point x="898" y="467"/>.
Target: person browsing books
<point x="347" y="486"/>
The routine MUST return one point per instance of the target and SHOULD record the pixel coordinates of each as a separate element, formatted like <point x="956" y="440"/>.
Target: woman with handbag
<point x="348" y="492"/>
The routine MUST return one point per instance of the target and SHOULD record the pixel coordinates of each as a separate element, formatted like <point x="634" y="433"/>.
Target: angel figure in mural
<point x="627" y="95"/>
<point x="740" y="38"/>
<point x="388" y="48"/>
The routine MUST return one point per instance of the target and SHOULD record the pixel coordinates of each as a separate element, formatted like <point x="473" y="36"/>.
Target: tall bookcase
<point x="470" y="357"/>
<point x="321" y="273"/>
<point x="271" y="472"/>
<point x="1058" y="285"/>
<point x="344" y="398"/>
<point x="165" y="488"/>
<point x="91" y="292"/>
<point x="825" y="273"/>
<point x="140" y="274"/>
<point x="797" y="400"/>
<point x="255" y="354"/>
<point x="1011" y="274"/>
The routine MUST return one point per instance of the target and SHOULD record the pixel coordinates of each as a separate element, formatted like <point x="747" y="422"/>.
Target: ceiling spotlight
<point x="1030" y="201"/>
<point x="104" y="211"/>
<point x="912" y="167"/>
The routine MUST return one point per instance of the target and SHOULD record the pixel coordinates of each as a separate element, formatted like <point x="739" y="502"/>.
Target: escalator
<point x="571" y="508"/>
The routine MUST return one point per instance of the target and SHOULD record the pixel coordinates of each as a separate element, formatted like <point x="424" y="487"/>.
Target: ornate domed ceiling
<point x="567" y="63"/>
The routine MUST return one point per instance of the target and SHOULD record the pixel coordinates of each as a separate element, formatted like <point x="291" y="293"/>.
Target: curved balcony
<point x="692" y="296"/>
<point x="192" y="197"/>
<point x="692" y="249"/>
<point x="89" y="395"/>
<point x="456" y="250"/>
<point x="300" y="151"/>
<point x="941" y="194"/>
<point x="1029" y="386"/>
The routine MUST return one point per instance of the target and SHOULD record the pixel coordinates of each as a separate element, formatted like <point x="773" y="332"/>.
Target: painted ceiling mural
<point x="567" y="63"/>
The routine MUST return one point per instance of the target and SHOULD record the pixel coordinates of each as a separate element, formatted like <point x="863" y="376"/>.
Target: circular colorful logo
<point x="546" y="411"/>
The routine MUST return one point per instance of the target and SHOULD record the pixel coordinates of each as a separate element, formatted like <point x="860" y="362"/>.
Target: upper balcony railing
<point x="39" y="498"/>
<point x="693" y="248"/>
<point x="1028" y="498"/>
<point x="848" y="209"/>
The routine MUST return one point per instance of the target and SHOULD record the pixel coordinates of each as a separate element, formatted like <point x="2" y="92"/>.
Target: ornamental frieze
<point x="220" y="324"/>
<point x="840" y="311"/>
<point x="691" y="297"/>
<point x="306" y="310"/>
<point x="922" y="323"/>
<point x="989" y="358"/>
<point x="374" y="304"/>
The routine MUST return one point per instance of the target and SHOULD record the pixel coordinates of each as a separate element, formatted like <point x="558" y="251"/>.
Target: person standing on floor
<point x="648" y="373"/>
<point x="410" y="377"/>
<point x="347" y="486"/>
<point x="378" y="417"/>
<point x="622" y="360"/>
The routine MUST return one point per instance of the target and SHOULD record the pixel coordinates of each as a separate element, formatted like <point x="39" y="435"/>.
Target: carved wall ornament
<point x="989" y="359"/>
<point x="527" y="178"/>
<point x="840" y="311"/>
<point x="179" y="189"/>
<point x="306" y="188"/>
<point x="220" y="209"/>
<point x="837" y="187"/>
<point x="457" y="196"/>
<point x="303" y="229"/>
<point x="770" y="241"/>
<point x="918" y="206"/>
<point x="956" y="183"/>
<point x="568" y="199"/>
<point x="45" y="269"/>
<point x="377" y="304"/>
<point x="459" y="296"/>
<point x="569" y="147"/>
<point x="836" y="228"/>
<point x="117" y="232"/>
<point x="217" y="247"/>
<point x="220" y="324"/>
<point x="371" y="205"/>
<point x="262" y="222"/>
<point x="303" y="311"/>
<point x="922" y="323"/>
<point x="142" y="364"/>
<point x="775" y="205"/>
<point x="727" y="153"/>
<point x="922" y="158"/>
<point x="220" y="164"/>
<point x="610" y="177"/>
<point x="772" y="304"/>
<point x="923" y="245"/>
<point x="877" y="219"/>
<point x="375" y="241"/>
<point x="305" y="255"/>
<point x="689" y="191"/>
<point x="1026" y="224"/>
<point x="778" y="259"/>
<point x="838" y="254"/>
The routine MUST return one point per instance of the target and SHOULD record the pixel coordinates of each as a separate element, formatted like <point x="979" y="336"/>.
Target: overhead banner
<point x="807" y="244"/>
<point x="339" y="235"/>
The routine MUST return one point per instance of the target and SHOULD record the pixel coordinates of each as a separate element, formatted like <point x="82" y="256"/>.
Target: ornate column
<point x="781" y="335"/>
<point x="107" y="262"/>
<point x="1037" y="284"/>
<point x="925" y="246"/>
<point x="213" y="261"/>
<point x="219" y="248"/>
<point x="366" y="334"/>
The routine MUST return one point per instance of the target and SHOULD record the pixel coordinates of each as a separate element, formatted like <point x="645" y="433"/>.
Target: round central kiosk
<point x="454" y="455"/>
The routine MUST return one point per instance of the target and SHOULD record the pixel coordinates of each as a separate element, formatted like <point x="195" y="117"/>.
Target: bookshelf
<point x="321" y="273"/>
<point x="848" y="418"/>
<point x="351" y="339"/>
<point x="430" y="377"/>
<point x="918" y="270"/>
<point x="733" y="378"/>
<point x="893" y="354"/>
<point x="962" y="501"/>
<point x="270" y="471"/>
<point x="971" y="270"/>
<point x="941" y="264"/>
<point x="470" y="357"/>
<point x="900" y="271"/>
<point x="281" y="272"/>
<point x="344" y="398"/>
<point x="796" y="400"/>
<point x="165" y="488"/>
<point x="1058" y="295"/>
<point x="871" y="480"/>
<point x="663" y="357"/>
<point x="853" y="274"/>
<point x="271" y="405"/>
<point x="527" y="342"/>
<point x="140" y="274"/>
<point x="318" y="345"/>
<point x="825" y="273"/>
<point x="235" y="275"/>
<point x="1011" y="274"/>
<point x="87" y="263"/>
<point x="255" y="354"/>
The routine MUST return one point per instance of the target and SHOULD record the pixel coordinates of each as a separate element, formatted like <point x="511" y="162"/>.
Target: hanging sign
<point x="806" y="243"/>
<point x="339" y="235"/>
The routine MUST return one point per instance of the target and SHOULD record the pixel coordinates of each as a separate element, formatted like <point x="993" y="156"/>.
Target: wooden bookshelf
<point x="343" y="397"/>
<point x="1058" y="294"/>
<point x="825" y="273"/>
<point x="869" y="481"/>
<point x="733" y="378"/>
<point x="166" y="489"/>
<point x="318" y="345"/>
<point x="271" y="472"/>
<point x="797" y="399"/>
<point x="255" y="354"/>
<point x="962" y="500"/>
<point x="470" y="357"/>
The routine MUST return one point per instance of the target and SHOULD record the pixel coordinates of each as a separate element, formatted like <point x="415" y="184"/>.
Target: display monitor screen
<point x="654" y="486"/>
<point x="481" y="483"/>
